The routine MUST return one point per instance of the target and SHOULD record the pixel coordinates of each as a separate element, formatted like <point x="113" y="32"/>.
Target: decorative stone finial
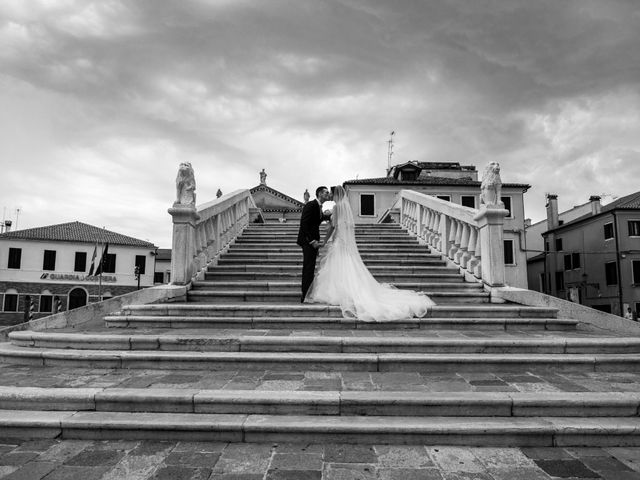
<point x="263" y="177"/>
<point x="306" y="195"/>
<point x="491" y="186"/>
<point x="185" y="185"/>
<point x="218" y="193"/>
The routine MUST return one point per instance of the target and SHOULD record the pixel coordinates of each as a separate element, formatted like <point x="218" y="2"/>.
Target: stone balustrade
<point x="471" y="239"/>
<point x="201" y="234"/>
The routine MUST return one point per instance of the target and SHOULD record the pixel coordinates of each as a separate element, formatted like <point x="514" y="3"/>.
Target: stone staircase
<point x="243" y="360"/>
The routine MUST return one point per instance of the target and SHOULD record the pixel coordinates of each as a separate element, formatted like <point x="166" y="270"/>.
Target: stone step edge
<point x="339" y="322"/>
<point x="386" y="403"/>
<point x="338" y="344"/>
<point x="309" y="307"/>
<point x="312" y="361"/>
<point x="294" y="292"/>
<point x="481" y="431"/>
<point x="203" y="284"/>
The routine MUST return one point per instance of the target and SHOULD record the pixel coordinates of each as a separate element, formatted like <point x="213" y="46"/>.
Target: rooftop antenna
<point x="18" y="210"/>
<point x="390" y="150"/>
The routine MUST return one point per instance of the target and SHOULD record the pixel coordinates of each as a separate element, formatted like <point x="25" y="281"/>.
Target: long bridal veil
<point x="343" y="279"/>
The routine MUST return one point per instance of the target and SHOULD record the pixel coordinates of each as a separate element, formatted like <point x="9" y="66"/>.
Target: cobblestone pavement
<point x="141" y="460"/>
<point x="24" y="376"/>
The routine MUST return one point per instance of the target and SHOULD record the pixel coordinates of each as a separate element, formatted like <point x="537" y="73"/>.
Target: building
<point x="53" y="268"/>
<point x="594" y="259"/>
<point x="162" y="273"/>
<point x="371" y="200"/>
<point x="275" y="205"/>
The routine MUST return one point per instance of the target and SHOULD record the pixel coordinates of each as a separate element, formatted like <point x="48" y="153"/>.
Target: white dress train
<point x="343" y="279"/>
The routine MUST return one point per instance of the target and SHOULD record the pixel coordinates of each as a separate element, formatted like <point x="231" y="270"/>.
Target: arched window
<point x="77" y="298"/>
<point x="10" y="303"/>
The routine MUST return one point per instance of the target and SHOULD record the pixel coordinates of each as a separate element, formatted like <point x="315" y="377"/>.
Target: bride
<point x="343" y="279"/>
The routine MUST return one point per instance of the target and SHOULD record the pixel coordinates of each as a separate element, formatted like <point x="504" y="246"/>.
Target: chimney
<point x="552" y="211"/>
<point x="7" y="225"/>
<point x="596" y="206"/>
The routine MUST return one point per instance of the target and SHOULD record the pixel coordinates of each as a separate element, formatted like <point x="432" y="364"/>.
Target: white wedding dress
<point x="343" y="279"/>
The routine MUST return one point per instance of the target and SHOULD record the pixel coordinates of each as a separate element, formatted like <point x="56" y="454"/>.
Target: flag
<point x="102" y="260"/>
<point x="93" y="259"/>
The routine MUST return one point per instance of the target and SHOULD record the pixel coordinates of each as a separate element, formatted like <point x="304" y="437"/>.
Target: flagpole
<point x="100" y="267"/>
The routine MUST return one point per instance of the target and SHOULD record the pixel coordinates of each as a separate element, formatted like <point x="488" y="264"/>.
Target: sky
<point x="100" y="101"/>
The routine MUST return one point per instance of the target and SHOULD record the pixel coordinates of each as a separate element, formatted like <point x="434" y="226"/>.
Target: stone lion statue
<point x="491" y="186"/>
<point x="185" y="185"/>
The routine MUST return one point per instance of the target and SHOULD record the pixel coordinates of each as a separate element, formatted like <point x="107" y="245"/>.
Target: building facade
<point x="593" y="260"/>
<point x="371" y="200"/>
<point x="59" y="267"/>
<point x="274" y="205"/>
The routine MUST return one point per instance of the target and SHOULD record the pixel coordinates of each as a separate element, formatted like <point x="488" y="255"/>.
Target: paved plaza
<point x="141" y="460"/>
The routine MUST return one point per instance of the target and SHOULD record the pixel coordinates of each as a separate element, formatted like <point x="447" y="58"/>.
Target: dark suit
<point x="310" y="221"/>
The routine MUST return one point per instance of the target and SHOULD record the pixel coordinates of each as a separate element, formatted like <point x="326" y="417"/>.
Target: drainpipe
<point x="615" y="232"/>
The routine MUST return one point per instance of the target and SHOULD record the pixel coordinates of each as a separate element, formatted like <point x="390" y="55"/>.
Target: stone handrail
<point x="472" y="239"/>
<point x="201" y="234"/>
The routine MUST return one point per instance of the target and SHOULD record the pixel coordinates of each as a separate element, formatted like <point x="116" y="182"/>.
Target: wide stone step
<point x="337" y="403"/>
<point x="293" y="295"/>
<point x="280" y="285"/>
<point x="425" y="271"/>
<point x="319" y="362"/>
<point x="375" y="261"/>
<point x="293" y="248"/>
<point x="338" y="323"/>
<point x="260" y="309"/>
<point x="297" y="256"/>
<point x="294" y="275"/>
<point x="480" y="431"/>
<point x="246" y="342"/>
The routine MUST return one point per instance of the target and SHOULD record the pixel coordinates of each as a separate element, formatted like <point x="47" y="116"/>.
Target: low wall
<point x="96" y="311"/>
<point x="568" y="309"/>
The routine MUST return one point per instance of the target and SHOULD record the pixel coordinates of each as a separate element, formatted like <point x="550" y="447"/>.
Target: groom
<point x="309" y="236"/>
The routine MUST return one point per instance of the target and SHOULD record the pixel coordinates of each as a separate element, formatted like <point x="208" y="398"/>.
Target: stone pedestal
<point x="183" y="243"/>
<point x="491" y="225"/>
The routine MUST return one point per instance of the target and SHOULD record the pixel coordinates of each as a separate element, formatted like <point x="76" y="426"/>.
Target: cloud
<point x="104" y="99"/>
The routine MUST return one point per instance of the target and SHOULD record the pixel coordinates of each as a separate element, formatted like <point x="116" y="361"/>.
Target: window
<point x="46" y="303"/>
<point x="10" y="302"/>
<point x="635" y="268"/>
<point x="575" y="259"/>
<point x="158" y="277"/>
<point x="558" y="244"/>
<point x="634" y="228"/>
<point x="608" y="231"/>
<point x="611" y="273"/>
<point x="507" y="205"/>
<point x="571" y="261"/>
<point x="468" y="201"/>
<point x="409" y="176"/>
<point x="446" y="198"/>
<point x="606" y="308"/>
<point x="546" y="246"/>
<point x="15" y="256"/>
<point x="49" y="262"/>
<point x="141" y="261"/>
<point x="109" y="265"/>
<point x="367" y="204"/>
<point x="81" y="262"/>
<point x="509" y="256"/>
<point x="559" y="280"/>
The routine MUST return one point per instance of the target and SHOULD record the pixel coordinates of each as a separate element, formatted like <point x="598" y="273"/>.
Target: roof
<point x="628" y="202"/>
<point x="426" y="181"/>
<point x="163" y="254"/>
<point x="276" y="193"/>
<point x="75" y="232"/>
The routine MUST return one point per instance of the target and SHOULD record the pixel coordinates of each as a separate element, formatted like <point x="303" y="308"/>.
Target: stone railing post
<point x="490" y="224"/>
<point x="185" y="218"/>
